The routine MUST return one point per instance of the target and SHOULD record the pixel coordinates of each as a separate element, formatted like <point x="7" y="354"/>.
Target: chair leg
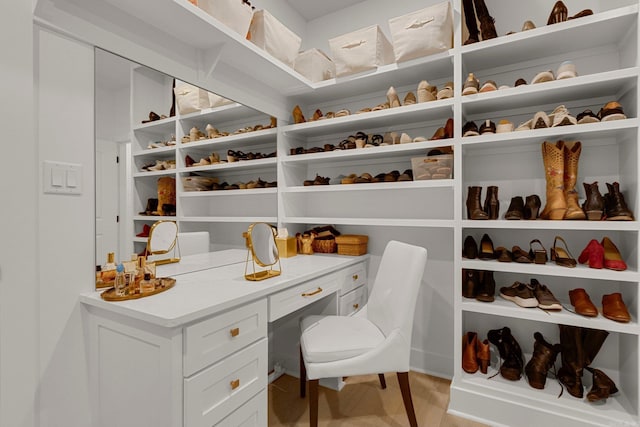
<point x="383" y="382"/>
<point x="303" y="376"/>
<point x="313" y="403"/>
<point x="403" y="379"/>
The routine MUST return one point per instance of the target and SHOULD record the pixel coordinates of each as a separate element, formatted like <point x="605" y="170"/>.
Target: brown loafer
<point x="613" y="308"/>
<point x="582" y="303"/>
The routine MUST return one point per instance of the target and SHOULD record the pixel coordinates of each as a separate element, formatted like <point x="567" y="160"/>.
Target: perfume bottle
<point x="120" y="284"/>
<point x="147" y="284"/>
<point x="109" y="269"/>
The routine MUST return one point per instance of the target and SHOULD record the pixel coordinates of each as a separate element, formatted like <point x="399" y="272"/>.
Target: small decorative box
<point x="286" y="246"/>
<point x="352" y="244"/>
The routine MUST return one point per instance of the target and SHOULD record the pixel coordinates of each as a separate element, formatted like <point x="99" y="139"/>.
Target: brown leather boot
<point x="491" y="203"/>
<point x="571" y="156"/>
<point x="615" y="206"/>
<point x="553" y="158"/>
<point x="510" y="353"/>
<point x="572" y="357"/>
<point x="470" y="20"/>
<point x="483" y="352"/>
<point x="602" y="387"/>
<point x="594" y="204"/>
<point x="474" y="206"/>
<point x="487" y="23"/>
<point x="543" y="358"/>
<point x="469" y="357"/>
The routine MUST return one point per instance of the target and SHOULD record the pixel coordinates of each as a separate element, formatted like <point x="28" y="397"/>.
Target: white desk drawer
<point x="296" y="297"/>
<point x="353" y="301"/>
<point x="212" y="339"/>
<point x="224" y="387"/>
<point x="354" y="276"/>
<point x="251" y="414"/>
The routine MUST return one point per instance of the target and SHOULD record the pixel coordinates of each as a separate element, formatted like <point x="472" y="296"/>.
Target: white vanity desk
<point x="197" y="354"/>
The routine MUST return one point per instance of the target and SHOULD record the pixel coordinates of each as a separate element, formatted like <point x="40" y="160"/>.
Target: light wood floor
<point x="363" y="403"/>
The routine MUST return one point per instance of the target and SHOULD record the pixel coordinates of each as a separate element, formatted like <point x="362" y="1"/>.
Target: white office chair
<point x="376" y="339"/>
<point x="192" y="243"/>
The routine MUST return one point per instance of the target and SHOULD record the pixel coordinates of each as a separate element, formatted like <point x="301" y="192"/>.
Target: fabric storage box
<point x="233" y="13"/>
<point x="190" y="98"/>
<point x="315" y="65"/>
<point x="287" y="246"/>
<point x="361" y="50"/>
<point x="352" y="244"/>
<point x="423" y="32"/>
<point x="218" y="101"/>
<point x="274" y="37"/>
<point x="432" y="167"/>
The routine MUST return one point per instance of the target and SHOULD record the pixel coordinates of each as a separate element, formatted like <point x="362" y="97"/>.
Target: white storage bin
<point x="315" y="65"/>
<point x="190" y="98"/>
<point x="432" y="167"/>
<point x="274" y="37"/>
<point x="423" y="32"/>
<point x="361" y="50"/>
<point x="232" y="13"/>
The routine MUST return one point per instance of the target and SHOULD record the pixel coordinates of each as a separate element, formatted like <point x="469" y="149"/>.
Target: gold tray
<point x="168" y="282"/>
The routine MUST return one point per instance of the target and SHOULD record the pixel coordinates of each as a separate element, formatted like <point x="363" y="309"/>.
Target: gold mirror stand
<point x="258" y="270"/>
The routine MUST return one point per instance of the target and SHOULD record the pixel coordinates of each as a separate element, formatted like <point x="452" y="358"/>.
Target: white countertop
<point x="211" y="283"/>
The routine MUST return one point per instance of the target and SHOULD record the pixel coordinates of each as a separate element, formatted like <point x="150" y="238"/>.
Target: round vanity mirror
<point x="263" y="251"/>
<point x="162" y="237"/>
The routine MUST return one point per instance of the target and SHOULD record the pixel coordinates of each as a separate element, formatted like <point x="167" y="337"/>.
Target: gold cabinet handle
<point x="234" y="332"/>
<point x="309" y="294"/>
<point x="235" y="384"/>
<point x="356" y="306"/>
<point x="355" y="277"/>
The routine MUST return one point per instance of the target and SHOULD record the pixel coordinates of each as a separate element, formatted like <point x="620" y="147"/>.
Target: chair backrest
<point x="192" y="243"/>
<point x="394" y="295"/>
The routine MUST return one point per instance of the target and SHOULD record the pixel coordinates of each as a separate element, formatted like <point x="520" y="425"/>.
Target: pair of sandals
<point x="160" y="165"/>
<point x="213" y="158"/>
<point x="234" y="156"/>
<point x="537" y="254"/>
<point x="365" y="178"/>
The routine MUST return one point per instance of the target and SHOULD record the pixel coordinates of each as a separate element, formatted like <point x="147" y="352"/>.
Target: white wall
<point x="65" y="123"/>
<point x="18" y="220"/>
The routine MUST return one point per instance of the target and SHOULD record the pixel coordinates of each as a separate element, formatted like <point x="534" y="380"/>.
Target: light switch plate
<point x="62" y="178"/>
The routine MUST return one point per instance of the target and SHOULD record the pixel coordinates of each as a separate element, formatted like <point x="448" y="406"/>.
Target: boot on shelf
<point x="543" y="358"/>
<point x="579" y="347"/>
<point x="470" y="20"/>
<point x="510" y="353"/>
<point x="593" y="206"/>
<point x="491" y="203"/>
<point x="602" y="387"/>
<point x="487" y="23"/>
<point x="615" y="206"/>
<point x="571" y="156"/>
<point x="553" y="159"/>
<point x="474" y="205"/>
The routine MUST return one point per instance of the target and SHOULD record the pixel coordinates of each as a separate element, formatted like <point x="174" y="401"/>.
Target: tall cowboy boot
<point x="470" y="20"/>
<point x="487" y="23"/>
<point x="474" y="205"/>
<point x="571" y="156"/>
<point x="553" y="159"/>
<point x="572" y="357"/>
<point x="491" y="203"/>
<point x="592" y="340"/>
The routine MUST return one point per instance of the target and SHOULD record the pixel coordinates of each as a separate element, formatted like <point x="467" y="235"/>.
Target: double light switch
<point x="62" y="178"/>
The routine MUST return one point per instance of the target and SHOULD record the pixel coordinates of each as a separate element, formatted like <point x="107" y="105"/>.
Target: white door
<point x="107" y="200"/>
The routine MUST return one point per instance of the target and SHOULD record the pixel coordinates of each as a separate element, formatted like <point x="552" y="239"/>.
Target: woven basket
<point x="324" y="246"/>
<point x="352" y="244"/>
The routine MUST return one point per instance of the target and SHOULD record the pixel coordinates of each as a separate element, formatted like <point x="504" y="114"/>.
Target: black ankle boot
<point x="487" y="23"/>
<point x="510" y="353"/>
<point x="470" y="20"/>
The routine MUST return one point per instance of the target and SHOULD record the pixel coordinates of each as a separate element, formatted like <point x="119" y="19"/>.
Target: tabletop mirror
<point x="263" y="260"/>
<point x="163" y="240"/>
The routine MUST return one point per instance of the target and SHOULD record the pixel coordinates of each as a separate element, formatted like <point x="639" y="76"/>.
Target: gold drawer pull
<point x="235" y="384"/>
<point x="309" y="294"/>
<point x="234" y="332"/>
<point x="355" y="277"/>
<point x="355" y="306"/>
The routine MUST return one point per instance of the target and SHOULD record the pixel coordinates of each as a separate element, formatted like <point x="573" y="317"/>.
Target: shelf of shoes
<point x="229" y="219"/>
<point x="377" y="222"/>
<point x="436" y="183"/>
<point x="223" y="113"/>
<point x="550" y="225"/>
<point x="226" y="193"/>
<point x="162" y="126"/>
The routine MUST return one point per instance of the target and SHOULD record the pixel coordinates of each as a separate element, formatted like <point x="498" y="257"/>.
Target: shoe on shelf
<point x="581" y="14"/>
<point x="474" y="205"/>
<point x="593" y="205"/>
<point x="487" y="127"/>
<point x="613" y="308"/>
<point x="409" y="99"/>
<point x="520" y="82"/>
<point x="145" y="231"/>
<point x="582" y="303"/>
<point x="471" y="22"/>
<point x="470" y="129"/>
<point x="503" y="254"/>
<point x="566" y="70"/>
<point x="470" y="248"/>
<point x="565" y="119"/>
<point x="592" y="254"/>
<point x="492" y="203"/>
<point x="561" y="255"/>
<point x="546" y="299"/>
<point x="510" y="353"/>
<point x="532" y="207"/>
<point x="470" y="282"/>
<point x="543" y="359"/>
<point x="528" y="25"/>
<point x="469" y="355"/>
<point x="471" y="85"/>
<point x="520" y="255"/>
<point x="611" y="111"/>
<point x="486" y="250"/>
<point x="504" y="126"/>
<point x="602" y="386"/>
<point x="446" y="91"/>
<point x="483" y="351"/>
<point x="559" y="13"/>
<point x="587" y="116"/>
<point x="298" y="117"/>
<point x="538" y="254"/>
<point x="516" y="209"/>
<point x="426" y="92"/>
<point x="488" y="86"/>
<point x="540" y="120"/>
<point x="543" y="76"/>
<point x="392" y="98"/>
<point x="612" y="258"/>
<point x="615" y="206"/>
<point x="485" y="292"/>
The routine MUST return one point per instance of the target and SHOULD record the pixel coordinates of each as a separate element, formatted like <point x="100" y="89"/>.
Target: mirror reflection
<point x="262" y="253"/>
<point x="163" y="149"/>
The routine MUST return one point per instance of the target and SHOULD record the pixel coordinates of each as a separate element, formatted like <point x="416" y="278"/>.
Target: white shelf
<point x="390" y="117"/>
<point x="153" y="218"/>
<point x="155" y="174"/>
<point x="225" y="193"/>
<point x="551" y="269"/>
<point x="504" y="308"/>
<point x="607" y="84"/>
<point x="259" y="136"/>
<point x="552" y="225"/>
<point x="374" y="186"/>
<point x="161" y="126"/>
<point x="153" y="152"/>
<point x="241" y="164"/>
<point x="140" y="239"/>
<point x="534" y="137"/>
<point x="601" y="29"/>
<point x="229" y="219"/>
<point x="380" y="222"/>
<point x="525" y="397"/>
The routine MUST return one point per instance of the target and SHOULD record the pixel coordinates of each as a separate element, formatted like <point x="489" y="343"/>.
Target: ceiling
<point x="312" y="9"/>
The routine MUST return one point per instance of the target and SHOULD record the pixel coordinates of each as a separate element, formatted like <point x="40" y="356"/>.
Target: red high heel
<point x="612" y="258"/>
<point x="592" y="254"/>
